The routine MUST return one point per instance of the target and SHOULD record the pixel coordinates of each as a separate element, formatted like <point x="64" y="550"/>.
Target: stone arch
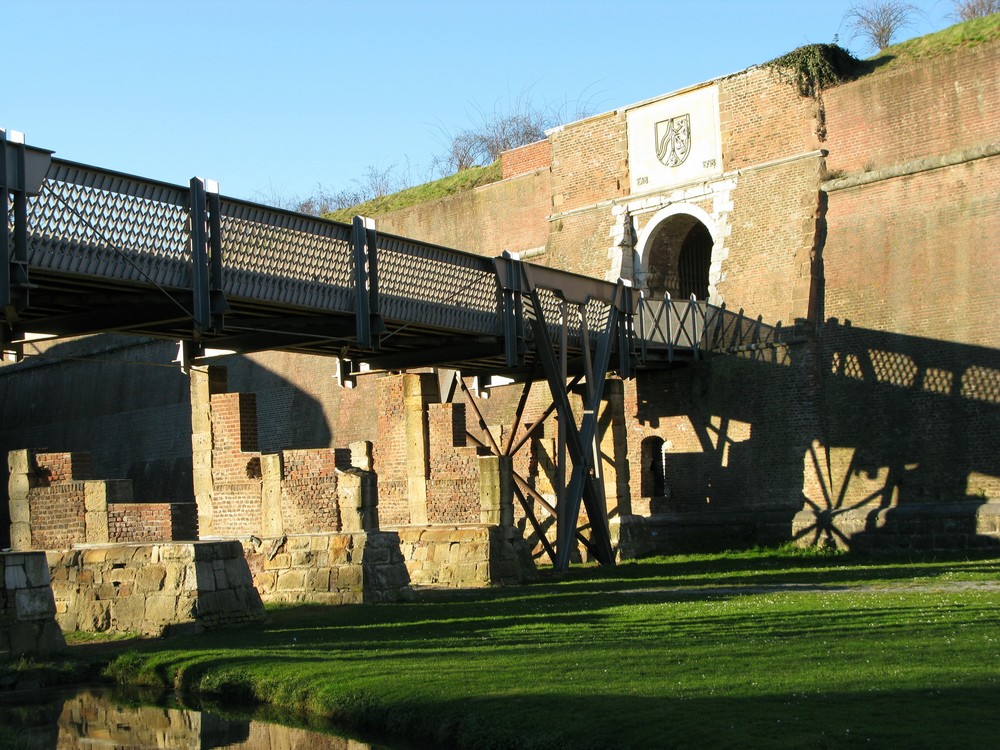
<point x="677" y="253"/>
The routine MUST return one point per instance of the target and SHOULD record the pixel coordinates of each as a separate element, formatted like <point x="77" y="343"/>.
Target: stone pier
<point x="27" y="610"/>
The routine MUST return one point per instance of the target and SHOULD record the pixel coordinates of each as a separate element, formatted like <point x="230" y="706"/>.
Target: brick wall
<point x="527" y="158"/>
<point x="309" y="491"/>
<point x="763" y="119"/>
<point x="916" y="110"/>
<point x="389" y="454"/>
<point x="152" y="522"/>
<point x="57" y="502"/>
<point x="589" y="162"/>
<point x="236" y="469"/>
<point x="453" y="483"/>
<point x="507" y="215"/>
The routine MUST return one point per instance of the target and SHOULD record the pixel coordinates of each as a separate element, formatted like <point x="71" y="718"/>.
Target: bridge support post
<point x="22" y="171"/>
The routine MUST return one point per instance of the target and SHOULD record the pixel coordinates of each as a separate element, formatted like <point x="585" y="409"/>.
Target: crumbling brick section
<point x="309" y="491"/>
<point x="55" y="505"/>
<point x="526" y="159"/>
<point x="453" y="484"/>
<point x="236" y="470"/>
<point x="152" y="522"/>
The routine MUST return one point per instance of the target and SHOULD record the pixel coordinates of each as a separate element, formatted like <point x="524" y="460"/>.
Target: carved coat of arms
<point x="673" y="140"/>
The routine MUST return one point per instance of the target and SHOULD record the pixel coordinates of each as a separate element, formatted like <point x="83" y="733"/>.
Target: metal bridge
<point x="86" y="250"/>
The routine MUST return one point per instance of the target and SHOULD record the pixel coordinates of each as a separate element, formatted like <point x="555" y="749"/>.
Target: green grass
<point x="967" y="34"/>
<point x="763" y="649"/>
<point x="456" y="183"/>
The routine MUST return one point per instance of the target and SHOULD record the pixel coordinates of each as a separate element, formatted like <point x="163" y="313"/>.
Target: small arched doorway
<point x="676" y="256"/>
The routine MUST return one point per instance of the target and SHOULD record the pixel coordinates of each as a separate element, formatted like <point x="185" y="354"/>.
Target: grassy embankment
<point x="766" y="649"/>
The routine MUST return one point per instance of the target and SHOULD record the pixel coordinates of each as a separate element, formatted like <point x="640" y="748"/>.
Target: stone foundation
<point x="153" y="588"/>
<point x="466" y="556"/>
<point x="347" y="568"/>
<point x="902" y="528"/>
<point x="27" y="610"/>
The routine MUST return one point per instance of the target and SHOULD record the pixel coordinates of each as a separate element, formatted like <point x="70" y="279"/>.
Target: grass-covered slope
<point x="456" y="183"/>
<point x="763" y="650"/>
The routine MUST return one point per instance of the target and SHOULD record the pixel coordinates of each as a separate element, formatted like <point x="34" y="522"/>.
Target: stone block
<point x="349" y="577"/>
<point x="205" y="575"/>
<point x="20" y="534"/>
<point x="176" y="552"/>
<point x="151" y="578"/>
<point x="14" y="576"/>
<point x="161" y="609"/>
<point x="129" y="613"/>
<point x="35" y="603"/>
<point x="281" y="561"/>
<point x="291" y="579"/>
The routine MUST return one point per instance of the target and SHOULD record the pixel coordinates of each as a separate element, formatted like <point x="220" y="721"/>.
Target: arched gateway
<point x="675" y="253"/>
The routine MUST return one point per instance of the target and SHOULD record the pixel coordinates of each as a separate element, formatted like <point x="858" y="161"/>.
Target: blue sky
<point x="273" y="98"/>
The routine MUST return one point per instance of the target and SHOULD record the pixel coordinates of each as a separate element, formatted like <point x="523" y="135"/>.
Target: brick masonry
<point x="873" y="224"/>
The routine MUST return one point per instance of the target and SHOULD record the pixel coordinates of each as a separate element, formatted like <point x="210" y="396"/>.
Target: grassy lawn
<point x="764" y="649"/>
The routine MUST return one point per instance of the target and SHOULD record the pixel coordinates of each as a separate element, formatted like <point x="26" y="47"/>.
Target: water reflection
<point x="95" y="718"/>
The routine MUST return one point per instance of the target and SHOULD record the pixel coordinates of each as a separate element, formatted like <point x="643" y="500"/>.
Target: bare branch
<point x="878" y="21"/>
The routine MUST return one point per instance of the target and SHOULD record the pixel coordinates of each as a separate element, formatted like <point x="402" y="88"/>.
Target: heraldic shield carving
<point x="673" y="140"/>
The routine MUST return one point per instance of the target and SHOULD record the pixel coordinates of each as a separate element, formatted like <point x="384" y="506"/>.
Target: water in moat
<point x="101" y="717"/>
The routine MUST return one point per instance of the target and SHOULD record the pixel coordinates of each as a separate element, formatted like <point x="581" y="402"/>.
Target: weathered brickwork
<point x="915" y="111"/>
<point x="527" y="158"/>
<point x="508" y="215"/>
<point x="453" y="484"/>
<point x="154" y="588"/>
<point x="52" y="507"/>
<point x="875" y="206"/>
<point x="908" y="270"/>
<point x="151" y="522"/>
<point x="763" y="120"/>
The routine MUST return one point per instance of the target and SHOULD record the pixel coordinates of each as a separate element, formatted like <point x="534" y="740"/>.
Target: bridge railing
<point x="665" y="325"/>
<point x="92" y="221"/>
<point x="436" y="286"/>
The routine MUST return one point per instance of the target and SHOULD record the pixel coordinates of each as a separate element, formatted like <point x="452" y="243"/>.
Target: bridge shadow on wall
<point x="125" y="402"/>
<point x="861" y="439"/>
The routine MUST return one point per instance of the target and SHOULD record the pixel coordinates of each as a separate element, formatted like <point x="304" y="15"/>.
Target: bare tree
<point x="966" y="10"/>
<point x="878" y="21"/>
<point x="516" y="123"/>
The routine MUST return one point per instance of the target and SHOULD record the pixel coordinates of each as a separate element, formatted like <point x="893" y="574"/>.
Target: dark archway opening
<point x="680" y="254"/>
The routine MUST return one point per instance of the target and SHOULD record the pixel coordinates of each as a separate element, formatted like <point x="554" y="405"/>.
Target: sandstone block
<point x="290" y="579"/>
<point x="35" y="604"/>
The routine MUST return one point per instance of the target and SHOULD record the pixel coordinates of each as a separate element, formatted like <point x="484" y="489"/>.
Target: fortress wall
<point x="763" y="119"/>
<point x="932" y="107"/>
<point x="767" y="269"/>
<point x="508" y="215"/>
<point x="528" y="158"/>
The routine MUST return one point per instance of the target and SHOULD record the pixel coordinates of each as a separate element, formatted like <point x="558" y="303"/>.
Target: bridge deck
<point x="104" y="251"/>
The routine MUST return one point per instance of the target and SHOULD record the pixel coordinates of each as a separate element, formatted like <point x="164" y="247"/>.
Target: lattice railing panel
<point x="99" y="223"/>
<point x="436" y="286"/>
<point x="285" y="257"/>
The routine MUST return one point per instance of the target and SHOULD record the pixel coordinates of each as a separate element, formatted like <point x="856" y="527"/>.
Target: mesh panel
<point x="287" y="258"/>
<point x="433" y="286"/>
<point x="107" y="225"/>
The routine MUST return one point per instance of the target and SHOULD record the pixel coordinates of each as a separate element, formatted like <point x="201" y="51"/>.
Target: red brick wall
<point x="453" y="484"/>
<point x="589" y="162"/>
<point x="235" y="465"/>
<point x="62" y="467"/>
<point x="527" y="158"/>
<point x="57" y="515"/>
<point x="389" y="453"/>
<point x="916" y="110"/>
<point x="508" y="215"/>
<point x="774" y="219"/>
<point x="893" y="265"/>
<point x="152" y="522"/>
<point x="309" y="492"/>
<point x="763" y="119"/>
